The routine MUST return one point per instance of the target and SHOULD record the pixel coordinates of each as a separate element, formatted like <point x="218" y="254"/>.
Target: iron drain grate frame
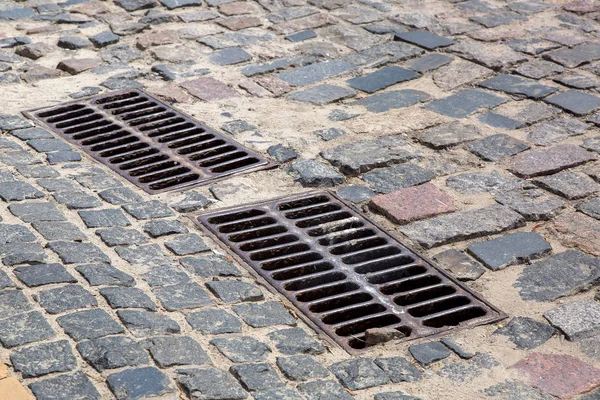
<point x="342" y="272"/>
<point x="148" y="142"/>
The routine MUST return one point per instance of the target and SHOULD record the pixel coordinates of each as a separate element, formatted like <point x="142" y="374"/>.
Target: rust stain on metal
<point x="343" y="272"/>
<point x="147" y="141"/>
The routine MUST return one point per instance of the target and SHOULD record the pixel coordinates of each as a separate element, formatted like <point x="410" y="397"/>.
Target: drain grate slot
<point x="147" y="141"/>
<point x="343" y="272"/>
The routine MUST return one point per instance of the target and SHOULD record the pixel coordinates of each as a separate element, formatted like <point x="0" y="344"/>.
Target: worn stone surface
<point x="577" y="320"/>
<point x="448" y="134"/>
<point x="557" y="374"/>
<point x="575" y="101"/>
<point x="459" y="265"/>
<point x="73" y="386"/>
<point x="359" y="373"/>
<point x="462" y="225"/>
<point x="427" y="353"/>
<point x="112" y="352"/>
<point x="526" y="333"/>
<point x="577" y="230"/>
<point x="312" y="173"/>
<point x="571" y="185"/>
<point x="356" y="158"/>
<point x="394" y="178"/>
<point x="514" y="248"/>
<point x="544" y="162"/>
<point x="465" y="103"/>
<point x="558" y="276"/>
<point x="210" y="383"/>
<point x="242" y="348"/>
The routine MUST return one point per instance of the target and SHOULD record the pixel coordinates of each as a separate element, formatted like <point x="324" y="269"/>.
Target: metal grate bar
<point x="147" y="141"/>
<point x="343" y="272"/>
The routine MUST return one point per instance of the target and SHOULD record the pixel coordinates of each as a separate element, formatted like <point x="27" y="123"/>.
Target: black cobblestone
<point x="112" y="352"/>
<point x="147" y="323"/>
<point x="124" y="297"/>
<point x="65" y="298"/>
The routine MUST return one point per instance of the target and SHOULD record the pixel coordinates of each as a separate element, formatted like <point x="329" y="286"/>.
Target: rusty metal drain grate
<point x="147" y="141"/>
<point x="343" y="272"/>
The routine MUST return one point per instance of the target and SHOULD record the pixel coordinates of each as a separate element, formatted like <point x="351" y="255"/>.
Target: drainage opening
<point x="343" y="272"/>
<point x="148" y="142"/>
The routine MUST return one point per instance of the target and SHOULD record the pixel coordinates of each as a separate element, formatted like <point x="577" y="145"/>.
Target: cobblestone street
<point x="467" y="129"/>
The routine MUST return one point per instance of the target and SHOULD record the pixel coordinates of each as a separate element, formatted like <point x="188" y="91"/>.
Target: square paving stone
<point x="180" y="297"/>
<point x="75" y="199"/>
<point x="560" y="275"/>
<point x="496" y="147"/>
<point x="560" y="375"/>
<point x="44" y="359"/>
<point x="165" y="276"/>
<point x="164" y="227"/>
<point x="399" y="369"/>
<point x="210" y="383"/>
<point x="544" y="162"/>
<point x="259" y="315"/>
<point x="277" y="394"/>
<point x="256" y="376"/>
<point x="124" y="297"/>
<point x="301" y="36"/>
<point x="147" y="254"/>
<point x="213" y="321"/>
<point x="13" y="302"/>
<point x="315" y="72"/>
<point x="427" y="353"/>
<point x="17" y="191"/>
<point x="104" y="218"/>
<point x="577" y="320"/>
<point x="120" y="195"/>
<point x="36" y="211"/>
<point x="514" y="248"/>
<point x="32" y="133"/>
<point x="573" y="57"/>
<point x="15" y="233"/>
<point x="17" y="158"/>
<point x="63" y="157"/>
<point x="112" y="352"/>
<point x="191" y="201"/>
<point x="516" y="85"/>
<point x="48" y="145"/>
<point x="429" y="62"/>
<point x="176" y="350"/>
<point x="301" y="368"/>
<point x="121" y="236"/>
<point x="425" y="39"/>
<point x="56" y="184"/>
<point x="413" y="203"/>
<point x="104" y="274"/>
<point x="322" y="94"/>
<point x="462" y="225"/>
<point x="209" y="266"/>
<point x="183" y="245"/>
<point x="479" y="182"/>
<point x="448" y="134"/>
<point x="148" y="210"/>
<point x="393" y="99"/>
<point x="362" y="156"/>
<point x="459" y="265"/>
<point x="381" y="79"/>
<point x="139" y="383"/>
<point x="89" y="324"/>
<point x="575" y="101"/>
<point x="65" y="298"/>
<point x="591" y="208"/>
<point x="465" y="103"/>
<point x="465" y="371"/>
<point x="356" y="194"/>
<point x="24" y="328"/>
<point x="242" y="348"/>
<point x="78" y="253"/>
<point x="311" y="173"/>
<point x="75" y="386"/>
<point x="233" y="291"/>
<point x="571" y="185"/>
<point x="147" y="323"/>
<point x="321" y="390"/>
<point x="360" y="373"/>
<point x="296" y="341"/>
<point x="557" y="130"/>
<point x="230" y="56"/>
<point x="387" y="180"/>
<point x="38" y="171"/>
<point x="526" y="333"/>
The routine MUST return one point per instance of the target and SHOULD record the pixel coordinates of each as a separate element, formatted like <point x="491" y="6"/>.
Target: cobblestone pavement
<point x="468" y="129"/>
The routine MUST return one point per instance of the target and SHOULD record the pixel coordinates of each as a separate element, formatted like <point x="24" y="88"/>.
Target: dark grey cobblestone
<point x="76" y="200"/>
<point x="210" y="383"/>
<point x="65" y="298"/>
<point x="242" y="348"/>
<point x="89" y="324"/>
<point x="324" y="390"/>
<point x="104" y="218"/>
<point x="214" y="321"/>
<point x="184" y="296"/>
<point x="176" y="350"/>
<point x="295" y="341"/>
<point x="148" y="210"/>
<point x="77" y="253"/>
<point x="427" y="353"/>
<point x="393" y="178"/>
<point x="147" y="254"/>
<point x="259" y="315"/>
<point x="399" y="369"/>
<point x="119" y="196"/>
<point x="526" y="333"/>
<point x="74" y="386"/>
<point x="359" y="373"/>
<point x="256" y="376"/>
<point x="233" y="291"/>
<point x="36" y="211"/>
<point x="121" y="236"/>
<point x="104" y="274"/>
<point x="147" y="323"/>
<point x="112" y="352"/>
<point x="301" y="368"/>
<point x="125" y="297"/>
<point x="514" y="248"/>
<point x="139" y="383"/>
<point x="44" y="359"/>
<point x="183" y="245"/>
<point x="24" y="328"/>
<point x="13" y="302"/>
<point x="164" y="227"/>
